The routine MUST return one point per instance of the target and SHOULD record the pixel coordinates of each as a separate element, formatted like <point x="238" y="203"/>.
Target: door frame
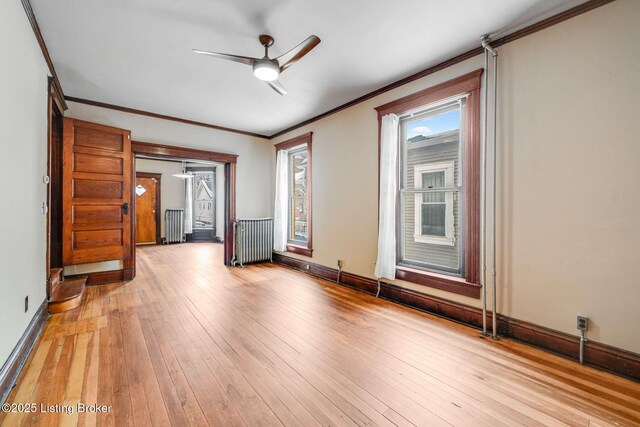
<point x="183" y="153"/>
<point x="55" y="117"/>
<point x="158" y="178"/>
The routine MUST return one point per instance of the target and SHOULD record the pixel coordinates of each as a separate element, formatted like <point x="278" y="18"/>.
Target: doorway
<point x="191" y="189"/>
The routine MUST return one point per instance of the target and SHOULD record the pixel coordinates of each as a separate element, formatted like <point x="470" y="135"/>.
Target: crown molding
<point x="26" y="4"/>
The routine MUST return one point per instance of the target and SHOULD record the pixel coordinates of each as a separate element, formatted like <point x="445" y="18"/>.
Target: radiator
<point x="253" y="240"/>
<point x="174" y="225"/>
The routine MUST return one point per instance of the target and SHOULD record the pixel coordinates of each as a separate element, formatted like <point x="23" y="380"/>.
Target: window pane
<point x="298" y="228"/>
<point x="433" y="180"/>
<point x="431" y="236"/>
<point x="298" y="196"/>
<point x="203" y="194"/>
<point x="433" y="217"/>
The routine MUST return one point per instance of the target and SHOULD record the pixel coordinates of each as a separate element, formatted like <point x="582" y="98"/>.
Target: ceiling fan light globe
<point x="266" y="70"/>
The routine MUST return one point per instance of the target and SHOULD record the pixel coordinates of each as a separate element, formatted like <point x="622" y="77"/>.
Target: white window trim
<point x="449" y="238"/>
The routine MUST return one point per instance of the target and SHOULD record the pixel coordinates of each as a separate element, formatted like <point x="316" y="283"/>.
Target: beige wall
<point x="568" y="227"/>
<point x="252" y="181"/>
<point x="23" y="150"/>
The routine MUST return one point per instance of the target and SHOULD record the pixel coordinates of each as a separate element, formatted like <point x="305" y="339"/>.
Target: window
<point x="430" y="209"/>
<point x="297" y="165"/>
<point x="298" y="152"/>
<point x="434" y="219"/>
<point x="437" y="219"/>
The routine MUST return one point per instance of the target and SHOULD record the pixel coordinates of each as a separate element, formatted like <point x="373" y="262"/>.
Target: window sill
<point x="300" y="250"/>
<point x="442" y="241"/>
<point x="439" y="281"/>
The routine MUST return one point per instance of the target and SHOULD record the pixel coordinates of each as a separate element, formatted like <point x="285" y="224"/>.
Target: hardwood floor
<point x="190" y="342"/>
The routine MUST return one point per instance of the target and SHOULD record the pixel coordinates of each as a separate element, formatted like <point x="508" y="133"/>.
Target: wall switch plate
<point x="26" y="303"/>
<point x="582" y="323"/>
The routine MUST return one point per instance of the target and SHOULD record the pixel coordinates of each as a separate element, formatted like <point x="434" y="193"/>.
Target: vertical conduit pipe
<point x="483" y="196"/>
<point x="485" y="41"/>
<point x="494" y="293"/>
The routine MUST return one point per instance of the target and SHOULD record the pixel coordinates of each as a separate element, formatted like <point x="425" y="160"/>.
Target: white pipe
<point x="485" y="41"/>
<point x="494" y="306"/>
<point x="483" y="198"/>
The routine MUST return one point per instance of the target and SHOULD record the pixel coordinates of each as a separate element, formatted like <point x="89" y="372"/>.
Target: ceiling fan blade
<point x="277" y="86"/>
<point x="235" y="58"/>
<point x="288" y="59"/>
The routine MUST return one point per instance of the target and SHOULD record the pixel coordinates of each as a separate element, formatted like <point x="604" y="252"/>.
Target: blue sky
<point x="434" y="124"/>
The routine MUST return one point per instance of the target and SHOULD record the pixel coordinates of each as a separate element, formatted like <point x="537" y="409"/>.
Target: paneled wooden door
<point x="96" y="190"/>
<point x="147" y="208"/>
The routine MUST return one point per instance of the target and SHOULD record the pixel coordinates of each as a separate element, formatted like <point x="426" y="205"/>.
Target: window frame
<point x="469" y="84"/>
<point x="449" y="238"/>
<point x="299" y="247"/>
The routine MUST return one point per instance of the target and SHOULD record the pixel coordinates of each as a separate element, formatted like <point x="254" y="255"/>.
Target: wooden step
<point x="67" y="295"/>
<point x="55" y="277"/>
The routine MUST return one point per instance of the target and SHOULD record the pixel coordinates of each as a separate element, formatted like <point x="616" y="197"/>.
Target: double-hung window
<point x="298" y="193"/>
<point x="297" y="165"/>
<point x="430" y="188"/>
<point x="438" y="172"/>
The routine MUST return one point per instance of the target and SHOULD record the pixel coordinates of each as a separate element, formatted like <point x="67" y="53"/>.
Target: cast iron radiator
<point x="253" y="240"/>
<point x="174" y="225"/>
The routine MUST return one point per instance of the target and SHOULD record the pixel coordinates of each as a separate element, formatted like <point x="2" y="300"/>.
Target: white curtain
<point x="188" y="206"/>
<point x="282" y="195"/>
<point x="386" y="263"/>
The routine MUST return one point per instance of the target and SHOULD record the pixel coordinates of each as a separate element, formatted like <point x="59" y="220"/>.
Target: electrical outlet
<point x="26" y="303"/>
<point x="583" y="323"/>
<point x="340" y="263"/>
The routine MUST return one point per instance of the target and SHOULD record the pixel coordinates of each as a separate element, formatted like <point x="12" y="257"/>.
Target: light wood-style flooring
<point x="190" y="342"/>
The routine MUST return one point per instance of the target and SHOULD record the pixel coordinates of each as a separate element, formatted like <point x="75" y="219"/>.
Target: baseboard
<point x="602" y="356"/>
<point x="12" y="367"/>
<point x="105" y="277"/>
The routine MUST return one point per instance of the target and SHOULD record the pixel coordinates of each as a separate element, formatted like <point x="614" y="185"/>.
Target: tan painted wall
<point x="569" y="150"/>
<point x="252" y="186"/>
<point x="23" y="150"/>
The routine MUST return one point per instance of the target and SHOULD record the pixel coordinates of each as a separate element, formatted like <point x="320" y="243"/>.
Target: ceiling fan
<point x="268" y="69"/>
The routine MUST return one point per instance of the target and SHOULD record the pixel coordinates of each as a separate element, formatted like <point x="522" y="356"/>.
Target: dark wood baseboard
<point x="602" y="356"/>
<point x="104" y="277"/>
<point x="13" y="365"/>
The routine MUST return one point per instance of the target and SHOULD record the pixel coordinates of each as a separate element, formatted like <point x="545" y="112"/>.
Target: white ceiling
<point x="137" y="53"/>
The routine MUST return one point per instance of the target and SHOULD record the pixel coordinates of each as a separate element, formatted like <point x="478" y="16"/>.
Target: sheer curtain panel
<point x="280" y="214"/>
<point x="386" y="263"/>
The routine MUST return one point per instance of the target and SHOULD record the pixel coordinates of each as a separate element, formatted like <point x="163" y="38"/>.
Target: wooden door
<point x="96" y="193"/>
<point x="147" y="208"/>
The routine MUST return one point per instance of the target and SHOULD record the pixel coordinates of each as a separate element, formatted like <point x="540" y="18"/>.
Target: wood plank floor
<point x="190" y="342"/>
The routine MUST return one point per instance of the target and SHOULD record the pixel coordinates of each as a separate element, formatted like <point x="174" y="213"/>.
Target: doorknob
<point x="125" y="208"/>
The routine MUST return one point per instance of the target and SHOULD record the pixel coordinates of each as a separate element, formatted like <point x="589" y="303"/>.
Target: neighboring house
<point x="434" y="157"/>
